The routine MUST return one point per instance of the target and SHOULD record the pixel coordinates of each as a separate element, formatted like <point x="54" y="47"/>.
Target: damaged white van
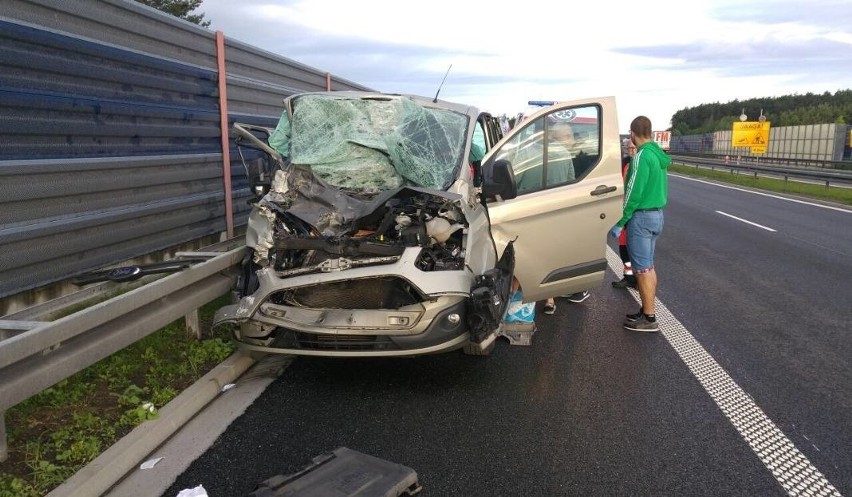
<point x="392" y="225"/>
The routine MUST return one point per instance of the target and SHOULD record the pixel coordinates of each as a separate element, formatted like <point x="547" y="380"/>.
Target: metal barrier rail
<point x="49" y="352"/>
<point x="827" y="176"/>
<point x="784" y="161"/>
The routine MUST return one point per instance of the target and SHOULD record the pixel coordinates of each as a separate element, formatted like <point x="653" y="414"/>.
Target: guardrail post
<point x="4" y="449"/>
<point x="193" y="326"/>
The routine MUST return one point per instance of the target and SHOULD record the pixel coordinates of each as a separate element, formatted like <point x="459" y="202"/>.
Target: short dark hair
<point x="641" y="127"/>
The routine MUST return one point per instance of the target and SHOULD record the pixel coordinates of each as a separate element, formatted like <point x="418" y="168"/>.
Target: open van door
<point x="566" y="160"/>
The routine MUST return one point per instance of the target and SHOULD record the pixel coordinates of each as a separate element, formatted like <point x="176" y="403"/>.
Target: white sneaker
<point x="578" y="297"/>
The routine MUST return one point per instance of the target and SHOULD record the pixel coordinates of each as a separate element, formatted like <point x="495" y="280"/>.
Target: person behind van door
<point x="560" y="154"/>
<point x="530" y="161"/>
<point x="645" y="196"/>
<point x="629" y="279"/>
<point x="560" y="169"/>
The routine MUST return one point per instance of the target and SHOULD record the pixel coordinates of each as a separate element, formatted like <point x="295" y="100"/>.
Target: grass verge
<point x="57" y="432"/>
<point x="809" y="190"/>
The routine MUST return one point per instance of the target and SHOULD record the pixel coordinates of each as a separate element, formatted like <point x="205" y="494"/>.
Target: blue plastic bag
<point x="519" y="312"/>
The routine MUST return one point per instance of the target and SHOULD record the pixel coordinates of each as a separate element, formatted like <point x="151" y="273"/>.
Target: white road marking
<point x="745" y="221"/>
<point x="814" y="204"/>
<point x="789" y="466"/>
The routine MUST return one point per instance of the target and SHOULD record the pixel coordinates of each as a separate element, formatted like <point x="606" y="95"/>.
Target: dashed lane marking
<point x="789" y="466"/>
<point x="745" y="221"/>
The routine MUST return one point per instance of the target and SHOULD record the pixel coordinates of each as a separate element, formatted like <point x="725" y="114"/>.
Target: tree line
<point x="787" y="110"/>
<point x="179" y="8"/>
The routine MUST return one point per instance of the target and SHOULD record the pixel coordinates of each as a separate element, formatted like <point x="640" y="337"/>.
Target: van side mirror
<point x="260" y="160"/>
<point x="499" y="180"/>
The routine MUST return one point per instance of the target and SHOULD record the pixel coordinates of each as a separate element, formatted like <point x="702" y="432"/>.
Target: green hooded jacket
<point x="646" y="185"/>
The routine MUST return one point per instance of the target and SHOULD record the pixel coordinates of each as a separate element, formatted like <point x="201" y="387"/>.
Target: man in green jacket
<point x="645" y="196"/>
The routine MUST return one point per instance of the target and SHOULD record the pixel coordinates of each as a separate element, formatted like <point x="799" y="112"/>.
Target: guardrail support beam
<point x="4" y="447"/>
<point x="193" y="325"/>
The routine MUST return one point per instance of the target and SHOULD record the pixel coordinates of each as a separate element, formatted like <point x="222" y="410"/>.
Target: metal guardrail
<point x="843" y="165"/>
<point x="49" y="352"/>
<point x="770" y="167"/>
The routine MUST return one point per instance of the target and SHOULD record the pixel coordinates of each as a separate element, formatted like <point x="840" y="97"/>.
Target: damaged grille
<point x="373" y="293"/>
<point x="342" y="342"/>
<point x="291" y="339"/>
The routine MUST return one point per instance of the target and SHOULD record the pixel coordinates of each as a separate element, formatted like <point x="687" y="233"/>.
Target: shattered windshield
<point x="371" y="145"/>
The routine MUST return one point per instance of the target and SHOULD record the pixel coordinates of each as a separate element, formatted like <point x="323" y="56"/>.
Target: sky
<point x="654" y="57"/>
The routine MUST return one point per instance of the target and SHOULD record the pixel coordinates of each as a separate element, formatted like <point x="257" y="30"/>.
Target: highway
<point x="751" y="371"/>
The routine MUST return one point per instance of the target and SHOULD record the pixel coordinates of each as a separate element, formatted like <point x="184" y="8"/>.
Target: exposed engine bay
<point x="409" y="218"/>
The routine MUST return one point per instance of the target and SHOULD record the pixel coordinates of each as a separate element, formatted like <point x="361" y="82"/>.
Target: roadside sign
<point x="759" y="150"/>
<point x="663" y="139"/>
<point x="754" y="134"/>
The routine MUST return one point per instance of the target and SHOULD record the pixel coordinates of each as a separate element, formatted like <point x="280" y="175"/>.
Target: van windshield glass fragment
<point x="371" y="145"/>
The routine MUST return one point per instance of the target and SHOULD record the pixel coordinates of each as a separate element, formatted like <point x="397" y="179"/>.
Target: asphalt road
<point x="591" y="409"/>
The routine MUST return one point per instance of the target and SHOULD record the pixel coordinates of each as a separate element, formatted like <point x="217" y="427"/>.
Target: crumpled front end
<point x="369" y="239"/>
<point x="330" y="274"/>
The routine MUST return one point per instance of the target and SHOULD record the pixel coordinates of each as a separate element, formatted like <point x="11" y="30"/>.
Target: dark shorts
<point x="642" y="232"/>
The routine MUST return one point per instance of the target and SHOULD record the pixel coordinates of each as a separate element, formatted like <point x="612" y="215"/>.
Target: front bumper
<point x="439" y="326"/>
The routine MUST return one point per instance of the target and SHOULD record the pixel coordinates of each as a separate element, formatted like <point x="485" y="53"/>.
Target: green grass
<point x="57" y="432"/>
<point x="808" y="190"/>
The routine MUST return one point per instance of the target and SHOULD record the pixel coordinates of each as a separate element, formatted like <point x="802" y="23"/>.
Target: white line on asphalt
<point x="745" y="221"/>
<point x="789" y="466"/>
<point x="839" y="209"/>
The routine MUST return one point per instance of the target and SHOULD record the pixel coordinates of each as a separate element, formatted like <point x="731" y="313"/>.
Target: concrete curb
<point x="112" y="465"/>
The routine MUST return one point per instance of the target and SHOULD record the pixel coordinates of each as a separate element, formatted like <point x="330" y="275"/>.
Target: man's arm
<point x="637" y="178"/>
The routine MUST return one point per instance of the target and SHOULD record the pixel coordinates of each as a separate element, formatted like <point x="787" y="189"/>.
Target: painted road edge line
<point x="764" y="194"/>
<point x="789" y="466"/>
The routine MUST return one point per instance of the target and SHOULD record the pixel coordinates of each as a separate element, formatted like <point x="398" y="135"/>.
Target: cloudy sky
<point x="655" y="57"/>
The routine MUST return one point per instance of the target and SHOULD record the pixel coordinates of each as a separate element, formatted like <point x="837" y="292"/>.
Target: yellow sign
<point x="750" y="134"/>
<point x="759" y="150"/>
